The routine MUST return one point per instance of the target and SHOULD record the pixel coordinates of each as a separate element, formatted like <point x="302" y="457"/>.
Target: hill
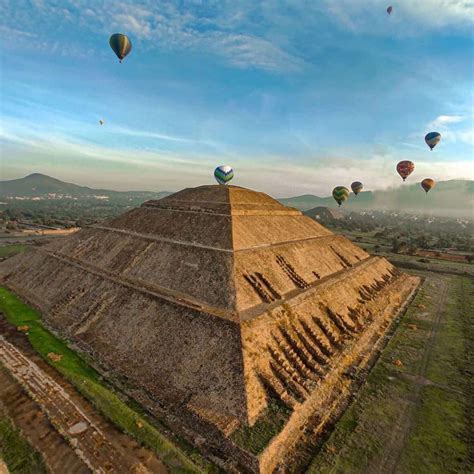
<point x="453" y="198"/>
<point x="41" y="186"/>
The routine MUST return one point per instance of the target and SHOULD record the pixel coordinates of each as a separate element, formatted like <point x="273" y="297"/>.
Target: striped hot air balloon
<point x="432" y="139"/>
<point x="405" y="168"/>
<point x="428" y="184"/>
<point x="357" y="187"/>
<point x="121" y="45"/>
<point x="340" y="194"/>
<point x="223" y="174"/>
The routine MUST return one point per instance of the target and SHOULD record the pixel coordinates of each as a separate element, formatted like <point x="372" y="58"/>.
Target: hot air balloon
<point x="340" y="194"/>
<point x="357" y="187"/>
<point x="101" y="122"/>
<point x="432" y="139"/>
<point x="223" y="174"/>
<point x="389" y="9"/>
<point x="405" y="168"/>
<point x="428" y="184"/>
<point x="121" y="45"/>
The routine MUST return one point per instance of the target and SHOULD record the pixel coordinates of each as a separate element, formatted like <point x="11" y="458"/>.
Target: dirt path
<point x="27" y="416"/>
<point x="94" y="440"/>
<point x="392" y="452"/>
<point x="88" y="440"/>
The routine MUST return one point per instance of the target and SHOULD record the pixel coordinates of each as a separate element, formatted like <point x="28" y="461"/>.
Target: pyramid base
<point x="308" y="423"/>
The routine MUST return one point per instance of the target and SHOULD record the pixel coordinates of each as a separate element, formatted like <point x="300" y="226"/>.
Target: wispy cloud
<point x="445" y="120"/>
<point x="116" y="129"/>
<point x="290" y="179"/>
<point x="408" y="17"/>
<point x="74" y="147"/>
<point x="161" y="24"/>
<point x="454" y="128"/>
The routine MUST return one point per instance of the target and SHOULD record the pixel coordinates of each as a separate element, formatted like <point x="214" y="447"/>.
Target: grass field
<point x="10" y="250"/>
<point x="415" y="417"/>
<point x="16" y="452"/>
<point x="89" y="383"/>
<point x="255" y="438"/>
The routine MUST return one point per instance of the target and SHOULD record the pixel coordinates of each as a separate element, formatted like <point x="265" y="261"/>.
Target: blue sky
<point x="298" y="96"/>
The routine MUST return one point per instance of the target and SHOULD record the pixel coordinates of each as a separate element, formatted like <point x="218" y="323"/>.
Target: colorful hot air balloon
<point x="432" y="139"/>
<point x="340" y="194"/>
<point x="223" y="174"/>
<point x="405" y="168"/>
<point x="121" y="45"/>
<point x="357" y="187"/>
<point x="389" y="9"/>
<point x="428" y="184"/>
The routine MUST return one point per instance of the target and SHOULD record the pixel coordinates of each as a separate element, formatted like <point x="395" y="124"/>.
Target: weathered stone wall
<point x="176" y="354"/>
<point x="193" y="226"/>
<point x="281" y="269"/>
<point x="289" y="350"/>
<point x="201" y="273"/>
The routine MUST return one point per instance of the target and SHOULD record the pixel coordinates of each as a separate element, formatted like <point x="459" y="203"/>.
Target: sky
<point x="298" y="96"/>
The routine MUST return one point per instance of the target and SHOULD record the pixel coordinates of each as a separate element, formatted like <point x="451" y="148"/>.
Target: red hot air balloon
<point x="405" y="168"/>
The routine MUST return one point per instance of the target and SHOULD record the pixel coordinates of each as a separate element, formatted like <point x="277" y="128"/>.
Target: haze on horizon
<point x="296" y="97"/>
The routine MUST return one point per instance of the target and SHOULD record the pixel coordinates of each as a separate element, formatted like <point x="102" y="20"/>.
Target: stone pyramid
<point x="209" y="303"/>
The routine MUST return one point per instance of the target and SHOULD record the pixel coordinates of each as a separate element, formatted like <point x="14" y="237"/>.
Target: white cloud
<point x="216" y="28"/>
<point x="148" y="134"/>
<point x="161" y="169"/>
<point x="450" y="131"/>
<point x="409" y="17"/>
<point x="444" y="120"/>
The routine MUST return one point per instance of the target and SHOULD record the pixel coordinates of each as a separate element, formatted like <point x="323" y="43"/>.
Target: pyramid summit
<point x="214" y="305"/>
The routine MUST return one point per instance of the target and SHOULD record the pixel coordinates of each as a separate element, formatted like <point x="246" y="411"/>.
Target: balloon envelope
<point x="357" y="187"/>
<point x="340" y="194"/>
<point x="428" y="184"/>
<point x="223" y="174"/>
<point x="120" y="44"/>
<point x="432" y="139"/>
<point x="405" y="168"/>
<point x="389" y="9"/>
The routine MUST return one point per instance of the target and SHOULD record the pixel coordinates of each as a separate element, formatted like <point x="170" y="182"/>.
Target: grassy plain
<point x="414" y="417"/>
<point x="10" y="250"/>
<point x="16" y="452"/>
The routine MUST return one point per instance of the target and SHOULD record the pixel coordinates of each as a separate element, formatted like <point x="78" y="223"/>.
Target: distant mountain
<point x="40" y="186"/>
<point x="453" y="198"/>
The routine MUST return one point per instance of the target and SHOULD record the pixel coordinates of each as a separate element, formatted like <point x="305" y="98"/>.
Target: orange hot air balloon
<point x="405" y="168"/>
<point x="428" y="184"/>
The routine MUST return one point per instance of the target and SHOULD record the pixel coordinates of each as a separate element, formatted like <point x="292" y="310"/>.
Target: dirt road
<point x="99" y="446"/>
<point x="388" y="463"/>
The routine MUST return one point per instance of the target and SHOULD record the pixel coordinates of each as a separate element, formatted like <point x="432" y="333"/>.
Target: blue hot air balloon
<point x="223" y="174"/>
<point x="432" y="139"/>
